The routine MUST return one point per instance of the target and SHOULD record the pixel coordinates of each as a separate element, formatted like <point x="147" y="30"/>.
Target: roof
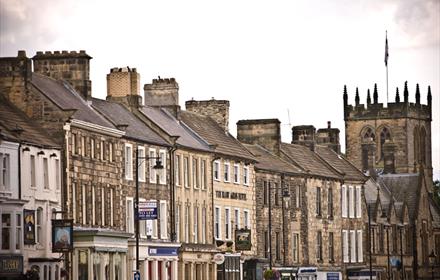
<point x="403" y="187"/>
<point x="213" y="134"/>
<point x="65" y="97"/>
<point x="339" y="163"/>
<point x="268" y="161"/>
<point x="119" y="115"/>
<point x="172" y="126"/>
<point x="308" y="160"/>
<point x="16" y="126"/>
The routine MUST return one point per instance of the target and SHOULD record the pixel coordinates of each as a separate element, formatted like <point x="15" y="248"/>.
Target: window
<point x="385" y="135"/>
<point x="74" y="202"/>
<point x="265" y="193"/>
<point x="152" y="226"/>
<point x="236" y="173"/>
<point x="111" y="207"/>
<point x="73" y="144"/>
<point x="92" y="148"/>
<point x="83" y="146"/>
<point x="318" y="201"/>
<point x="277" y="246"/>
<point x="18" y="233"/>
<point x="319" y="245"/>
<point x="45" y="173"/>
<point x="204" y="224"/>
<point x="187" y="223"/>
<point x="298" y="197"/>
<point x="358" y="202"/>
<point x="186" y="172"/>
<point x="141" y="164"/>
<point x="217" y="223"/>
<point x="227" y="172"/>
<point x="102" y="150"/>
<point x="344" y="201"/>
<point x="57" y="174"/>
<point x="277" y="194"/>
<point x="33" y="175"/>
<point x="345" y="246"/>
<point x="195" y="173"/>
<point x="216" y="170"/>
<point x="162" y="172"/>
<point x="39" y="226"/>
<point x="163" y="220"/>
<point x="6" y="231"/>
<point x="360" y="252"/>
<point x="196" y="224"/>
<point x="84" y="204"/>
<point x="177" y="226"/>
<point x="330" y="203"/>
<point x="237" y="218"/>
<point x="128" y="161"/>
<point x="246" y="219"/>
<point x="203" y="174"/>
<point x="227" y="223"/>
<point x="331" y="249"/>
<point x="93" y="206"/>
<point x="295" y="247"/>
<point x="110" y="152"/>
<point x="103" y="206"/>
<point x="129" y="215"/>
<point x="177" y="170"/>
<point x="152" y="161"/>
<point x="246" y="175"/>
<point x="353" y="245"/>
<point x="351" y="202"/>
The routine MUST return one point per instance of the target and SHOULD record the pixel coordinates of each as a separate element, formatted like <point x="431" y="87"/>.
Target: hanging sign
<point x="29" y="227"/>
<point x="148" y="210"/>
<point x="62" y="235"/>
<point x="243" y="240"/>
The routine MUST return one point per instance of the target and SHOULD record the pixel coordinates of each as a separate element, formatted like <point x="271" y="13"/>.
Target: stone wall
<point x="218" y="110"/>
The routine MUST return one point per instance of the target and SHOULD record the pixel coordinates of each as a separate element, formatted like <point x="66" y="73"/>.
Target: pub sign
<point x="243" y="239"/>
<point x="29" y="227"/>
<point x="62" y="235"/>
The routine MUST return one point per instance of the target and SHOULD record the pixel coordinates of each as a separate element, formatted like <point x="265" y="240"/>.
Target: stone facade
<point x="216" y="109"/>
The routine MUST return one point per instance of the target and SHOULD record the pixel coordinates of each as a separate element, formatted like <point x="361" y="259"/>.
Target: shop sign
<point x="219" y="259"/>
<point x="162" y="251"/>
<point x="243" y="240"/>
<point x="29" y="227"/>
<point x="332" y="276"/>
<point x="11" y="265"/>
<point x="148" y="210"/>
<point x="62" y="236"/>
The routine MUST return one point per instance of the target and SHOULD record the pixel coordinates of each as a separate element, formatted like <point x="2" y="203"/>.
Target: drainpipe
<point x="19" y="171"/>
<point x="171" y="151"/>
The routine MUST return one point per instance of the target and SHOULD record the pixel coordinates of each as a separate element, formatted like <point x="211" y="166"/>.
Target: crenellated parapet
<point x="394" y="110"/>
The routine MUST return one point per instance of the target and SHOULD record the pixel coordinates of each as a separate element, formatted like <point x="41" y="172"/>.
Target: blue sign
<point x="332" y="276"/>
<point x="137" y="276"/>
<point x="148" y="210"/>
<point x="162" y="251"/>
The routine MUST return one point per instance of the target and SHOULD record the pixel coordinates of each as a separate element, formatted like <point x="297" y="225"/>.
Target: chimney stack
<point x="264" y="132"/>
<point x="163" y="93"/>
<point x="123" y="86"/>
<point x="218" y="110"/>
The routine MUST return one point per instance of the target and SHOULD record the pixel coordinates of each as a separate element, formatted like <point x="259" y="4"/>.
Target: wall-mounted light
<point x="53" y="155"/>
<point x="26" y="149"/>
<point x="40" y="153"/>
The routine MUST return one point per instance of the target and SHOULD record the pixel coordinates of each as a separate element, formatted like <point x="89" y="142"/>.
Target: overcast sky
<point x="267" y="58"/>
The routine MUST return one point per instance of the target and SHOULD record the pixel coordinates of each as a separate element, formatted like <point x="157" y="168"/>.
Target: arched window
<point x="369" y="134"/>
<point x="416" y="144"/>
<point x="423" y="145"/>
<point x="384" y="135"/>
<point x="39" y="223"/>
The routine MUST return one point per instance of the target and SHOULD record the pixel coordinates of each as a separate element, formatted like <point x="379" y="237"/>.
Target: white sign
<point x="219" y="259"/>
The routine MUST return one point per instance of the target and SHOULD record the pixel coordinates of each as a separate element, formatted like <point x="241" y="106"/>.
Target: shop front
<point x="11" y="267"/>
<point x="314" y="273"/>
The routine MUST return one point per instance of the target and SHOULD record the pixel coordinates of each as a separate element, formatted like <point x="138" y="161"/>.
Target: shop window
<point x="6" y="231"/>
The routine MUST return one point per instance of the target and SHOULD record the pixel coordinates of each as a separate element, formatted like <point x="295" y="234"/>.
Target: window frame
<point x="227" y="172"/>
<point x="246" y="175"/>
<point x="128" y="156"/>
<point x="141" y="165"/>
<point x="236" y="173"/>
<point x="216" y="170"/>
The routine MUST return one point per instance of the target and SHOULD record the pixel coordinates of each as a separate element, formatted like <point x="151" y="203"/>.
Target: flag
<point x="386" y="50"/>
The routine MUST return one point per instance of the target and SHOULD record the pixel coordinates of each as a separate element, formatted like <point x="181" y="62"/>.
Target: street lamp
<point x="432" y="257"/>
<point x="286" y="198"/>
<point x="158" y="165"/>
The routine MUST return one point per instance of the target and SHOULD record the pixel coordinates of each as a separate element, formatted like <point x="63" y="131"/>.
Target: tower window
<point x="384" y="135"/>
<point x="369" y="134"/>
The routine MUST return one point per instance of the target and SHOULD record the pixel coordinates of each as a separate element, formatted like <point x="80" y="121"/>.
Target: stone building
<point x="190" y="160"/>
<point x="30" y="196"/>
<point x="233" y="185"/>
<point x="393" y="145"/>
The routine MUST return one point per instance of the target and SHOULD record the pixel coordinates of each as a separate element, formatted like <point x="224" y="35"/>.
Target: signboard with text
<point x="11" y="265"/>
<point x="148" y="210"/>
<point x="62" y="235"/>
<point x="243" y="240"/>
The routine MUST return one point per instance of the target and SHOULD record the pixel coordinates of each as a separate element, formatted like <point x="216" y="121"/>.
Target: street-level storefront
<point x="364" y="273"/>
<point x="157" y="260"/>
<point x="314" y="273"/>
<point x="196" y="261"/>
<point x="253" y="268"/>
<point x="99" y="254"/>
<point x="230" y="268"/>
<point x="47" y="268"/>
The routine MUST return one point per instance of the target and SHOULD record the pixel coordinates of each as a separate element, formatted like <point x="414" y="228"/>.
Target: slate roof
<point x="308" y="160"/>
<point x="213" y="134"/>
<point x="12" y="120"/>
<point x="339" y="163"/>
<point x="67" y="98"/>
<point x="172" y="126"/>
<point x="268" y="161"/>
<point x="119" y="115"/>
<point x="403" y="187"/>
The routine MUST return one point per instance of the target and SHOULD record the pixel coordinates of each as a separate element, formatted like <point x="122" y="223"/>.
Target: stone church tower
<point x="392" y="139"/>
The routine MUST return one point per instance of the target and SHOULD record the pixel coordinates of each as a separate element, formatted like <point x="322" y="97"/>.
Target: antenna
<point x="288" y="117"/>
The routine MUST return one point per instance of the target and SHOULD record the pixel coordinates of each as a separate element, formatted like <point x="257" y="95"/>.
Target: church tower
<point x="392" y="139"/>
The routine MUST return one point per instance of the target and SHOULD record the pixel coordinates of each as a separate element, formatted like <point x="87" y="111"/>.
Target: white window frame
<point x="18" y="231"/>
<point x="128" y="152"/>
<point x="360" y="252"/>
<point x="295" y="247"/>
<point x="216" y="170"/>
<point x="111" y="207"/>
<point x="152" y="162"/>
<point x="92" y="148"/>
<point x="33" y="169"/>
<point x="237" y="218"/>
<point x="177" y="226"/>
<point x="246" y="219"/>
<point x="102" y="146"/>
<point x="353" y="246"/>
<point x="110" y="151"/>
<point x="227" y="172"/>
<point x="163" y="219"/>
<point x="236" y="173"/>
<point x="162" y="172"/>
<point x="345" y="246"/>
<point x="177" y="171"/>
<point x="196" y="224"/>
<point x="228" y="231"/>
<point x="246" y="175"/>
<point x="39" y="225"/>
<point x="358" y="202"/>
<point x="46" y="181"/>
<point x="142" y="223"/>
<point x="73" y="143"/>
<point x="102" y="205"/>
<point x="83" y="146"/>
<point x="217" y="221"/>
<point x="187" y="223"/>
<point x="84" y="203"/>
<point x="203" y="225"/>
<point x="351" y="202"/>
<point x="93" y="205"/>
<point x="203" y="174"/>
<point x="74" y="202"/>
<point x="57" y="174"/>
<point x="141" y="163"/>
<point x="195" y="172"/>
<point x="129" y="212"/>
<point x="186" y="171"/>
<point x="344" y="201"/>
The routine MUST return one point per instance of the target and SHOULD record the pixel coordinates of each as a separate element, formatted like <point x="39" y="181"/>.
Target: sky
<point x="271" y="59"/>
